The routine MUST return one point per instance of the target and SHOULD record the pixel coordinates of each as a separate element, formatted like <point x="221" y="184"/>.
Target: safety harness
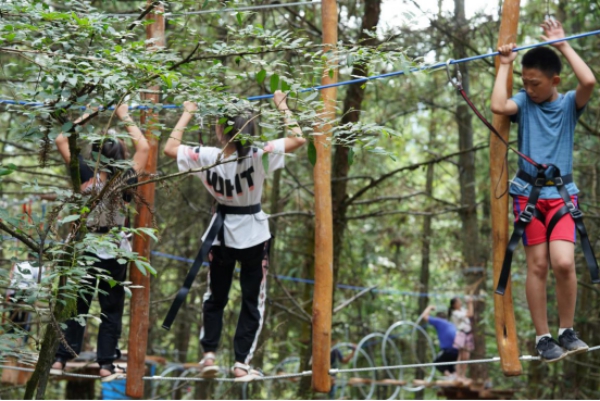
<point x="217" y="229"/>
<point x="548" y="175"/>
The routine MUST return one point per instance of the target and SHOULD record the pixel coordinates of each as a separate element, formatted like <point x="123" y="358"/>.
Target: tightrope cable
<point x="524" y="358"/>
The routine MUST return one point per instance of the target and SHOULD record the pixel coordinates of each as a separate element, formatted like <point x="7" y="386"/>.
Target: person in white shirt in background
<point x="245" y="237"/>
<point x="23" y="282"/>
<point x="463" y="341"/>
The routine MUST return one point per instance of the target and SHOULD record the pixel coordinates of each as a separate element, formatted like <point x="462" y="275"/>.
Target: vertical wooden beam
<point x="140" y="300"/>
<point x="322" y="299"/>
<point x="506" y="333"/>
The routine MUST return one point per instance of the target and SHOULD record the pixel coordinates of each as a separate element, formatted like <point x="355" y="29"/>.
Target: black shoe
<point x="550" y="350"/>
<point x="571" y="343"/>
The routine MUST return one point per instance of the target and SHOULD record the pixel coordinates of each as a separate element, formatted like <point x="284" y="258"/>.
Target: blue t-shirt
<point x="446" y="332"/>
<point x="546" y="134"/>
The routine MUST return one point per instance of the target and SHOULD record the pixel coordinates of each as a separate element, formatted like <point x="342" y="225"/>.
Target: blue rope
<point x="359" y="80"/>
<point x="308" y="281"/>
<point x="430" y="67"/>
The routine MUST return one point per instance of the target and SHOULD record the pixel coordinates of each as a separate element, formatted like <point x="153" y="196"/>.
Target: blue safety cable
<point x="308" y="281"/>
<point x="366" y="79"/>
<point x="299" y="280"/>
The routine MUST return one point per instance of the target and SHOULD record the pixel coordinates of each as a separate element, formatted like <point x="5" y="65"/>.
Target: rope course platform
<point x="391" y="346"/>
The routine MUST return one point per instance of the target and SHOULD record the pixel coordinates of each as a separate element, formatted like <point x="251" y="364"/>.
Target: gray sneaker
<point x="571" y="343"/>
<point x="550" y="350"/>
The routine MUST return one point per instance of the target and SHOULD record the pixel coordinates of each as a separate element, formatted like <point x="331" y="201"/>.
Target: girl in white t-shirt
<point x="463" y="341"/>
<point x="237" y="187"/>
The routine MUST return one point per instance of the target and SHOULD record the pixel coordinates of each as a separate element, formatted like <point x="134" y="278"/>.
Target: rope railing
<point x="359" y="80"/>
<point x="230" y="9"/>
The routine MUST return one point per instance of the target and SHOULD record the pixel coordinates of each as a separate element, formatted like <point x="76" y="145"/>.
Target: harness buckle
<point x="527" y="214"/>
<point x="540" y="182"/>
<point x="575" y="212"/>
<point x="455" y="81"/>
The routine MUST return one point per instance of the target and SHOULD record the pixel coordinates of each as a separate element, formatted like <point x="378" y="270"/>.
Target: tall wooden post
<point x="140" y="300"/>
<point x="322" y="299"/>
<point x="506" y="333"/>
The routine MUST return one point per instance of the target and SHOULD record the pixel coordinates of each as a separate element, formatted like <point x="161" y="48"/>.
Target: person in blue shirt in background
<point x="446" y="332"/>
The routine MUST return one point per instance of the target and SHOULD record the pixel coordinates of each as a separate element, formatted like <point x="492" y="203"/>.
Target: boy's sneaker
<point x="550" y="350"/>
<point x="571" y="343"/>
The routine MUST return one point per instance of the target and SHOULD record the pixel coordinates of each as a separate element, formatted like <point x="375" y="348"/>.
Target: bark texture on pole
<point x="322" y="300"/>
<point x="506" y="333"/>
<point x="140" y="300"/>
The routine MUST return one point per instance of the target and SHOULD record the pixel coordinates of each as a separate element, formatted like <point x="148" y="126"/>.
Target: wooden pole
<point x="506" y="333"/>
<point x="322" y="299"/>
<point x="140" y="300"/>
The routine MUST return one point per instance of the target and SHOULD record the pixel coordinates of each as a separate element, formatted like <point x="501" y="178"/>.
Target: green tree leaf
<point x="312" y="153"/>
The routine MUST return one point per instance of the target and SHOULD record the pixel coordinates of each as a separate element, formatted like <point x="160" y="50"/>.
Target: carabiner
<point x="455" y="81"/>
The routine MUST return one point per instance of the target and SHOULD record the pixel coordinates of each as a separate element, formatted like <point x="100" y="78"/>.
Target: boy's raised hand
<point x="553" y="30"/>
<point x="507" y="56"/>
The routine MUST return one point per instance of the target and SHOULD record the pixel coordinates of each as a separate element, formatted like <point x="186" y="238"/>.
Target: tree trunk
<point x="304" y="388"/>
<point x="425" y="257"/>
<point x="468" y="197"/>
<point x="352" y="106"/>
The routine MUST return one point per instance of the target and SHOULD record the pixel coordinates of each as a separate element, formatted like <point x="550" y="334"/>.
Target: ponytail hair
<point x="113" y="149"/>
<point x="241" y="124"/>
<point x="451" y="308"/>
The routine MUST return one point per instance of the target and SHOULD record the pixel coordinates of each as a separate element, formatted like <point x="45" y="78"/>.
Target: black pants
<point x="447" y="355"/>
<point x="112" y="302"/>
<point x="253" y="280"/>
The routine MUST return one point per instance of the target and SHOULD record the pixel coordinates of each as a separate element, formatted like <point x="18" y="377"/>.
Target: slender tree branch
<point x="354" y="298"/>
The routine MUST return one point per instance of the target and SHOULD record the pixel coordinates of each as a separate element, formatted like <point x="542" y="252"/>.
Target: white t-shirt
<point x="460" y="320"/>
<point x="24" y="277"/>
<point x="236" y="184"/>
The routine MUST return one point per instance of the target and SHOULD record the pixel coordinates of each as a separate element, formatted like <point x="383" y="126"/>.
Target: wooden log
<point x="140" y="300"/>
<point x="506" y="333"/>
<point x="323" y="291"/>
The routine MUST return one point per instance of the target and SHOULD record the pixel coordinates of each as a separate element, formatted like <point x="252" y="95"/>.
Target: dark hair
<point x="441" y="315"/>
<point x="112" y="149"/>
<point x="241" y="124"/>
<point x="543" y="59"/>
<point x="453" y="302"/>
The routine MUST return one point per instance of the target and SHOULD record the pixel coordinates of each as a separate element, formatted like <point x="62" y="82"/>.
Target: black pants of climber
<point x="112" y="302"/>
<point x="253" y="281"/>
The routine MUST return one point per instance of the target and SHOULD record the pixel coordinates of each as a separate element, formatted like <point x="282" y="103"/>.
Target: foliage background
<point x="70" y="53"/>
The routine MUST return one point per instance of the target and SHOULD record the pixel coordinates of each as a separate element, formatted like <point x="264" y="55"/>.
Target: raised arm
<point x="470" y="310"/>
<point x="553" y="30"/>
<point x="174" y="140"/>
<point x="501" y="104"/>
<point x="142" y="149"/>
<point x="426" y="312"/>
<point x="295" y="139"/>
<point x="62" y="142"/>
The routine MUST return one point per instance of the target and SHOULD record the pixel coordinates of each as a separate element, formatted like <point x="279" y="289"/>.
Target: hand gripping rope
<point x="548" y="176"/>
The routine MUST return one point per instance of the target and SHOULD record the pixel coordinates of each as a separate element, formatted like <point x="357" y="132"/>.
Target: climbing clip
<point x="455" y="81"/>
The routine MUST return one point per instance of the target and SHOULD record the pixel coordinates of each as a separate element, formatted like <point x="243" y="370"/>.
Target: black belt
<point x="530" y="211"/>
<point x="202" y="257"/>
<point x="544" y="181"/>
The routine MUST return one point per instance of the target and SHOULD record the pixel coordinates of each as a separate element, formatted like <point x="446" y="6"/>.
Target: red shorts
<point x="535" y="232"/>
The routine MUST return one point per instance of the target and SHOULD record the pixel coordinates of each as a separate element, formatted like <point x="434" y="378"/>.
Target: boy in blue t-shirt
<point x="547" y="122"/>
<point x="446" y="332"/>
